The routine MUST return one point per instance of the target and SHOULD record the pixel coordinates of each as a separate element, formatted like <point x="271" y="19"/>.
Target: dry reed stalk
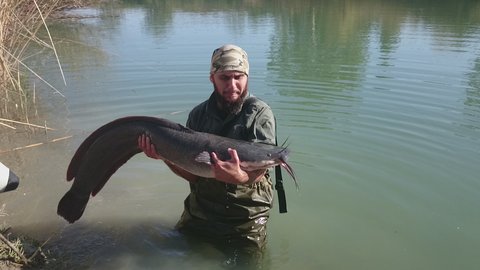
<point x="13" y="248"/>
<point x="20" y="21"/>
<point x="34" y="73"/>
<point x="35" y="144"/>
<point x="51" y="41"/>
<point x="24" y="123"/>
<point x="8" y="126"/>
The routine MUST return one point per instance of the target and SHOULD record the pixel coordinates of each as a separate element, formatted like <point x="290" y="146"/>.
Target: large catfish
<point x="113" y="144"/>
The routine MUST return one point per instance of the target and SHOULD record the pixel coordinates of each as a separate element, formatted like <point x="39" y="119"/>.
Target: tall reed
<point x="20" y="21"/>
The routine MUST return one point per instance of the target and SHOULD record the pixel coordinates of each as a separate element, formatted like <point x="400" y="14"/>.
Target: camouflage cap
<point x="229" y="58"/>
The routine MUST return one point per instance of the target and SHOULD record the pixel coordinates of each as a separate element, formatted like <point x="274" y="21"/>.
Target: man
<point x="233" y="208"/>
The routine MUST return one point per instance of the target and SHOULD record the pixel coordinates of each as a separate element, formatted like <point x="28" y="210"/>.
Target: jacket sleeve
<point x="264" y="126"/>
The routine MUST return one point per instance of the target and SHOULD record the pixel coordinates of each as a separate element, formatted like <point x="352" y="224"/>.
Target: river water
<point x="379" y="101"/>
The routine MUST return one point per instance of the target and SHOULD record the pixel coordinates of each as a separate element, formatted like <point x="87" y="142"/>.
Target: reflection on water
<point x="378" y="99"/>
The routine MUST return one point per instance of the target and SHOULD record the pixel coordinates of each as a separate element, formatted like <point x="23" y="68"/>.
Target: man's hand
<point x="147" y="147"/>
<point x="229" y="171"/>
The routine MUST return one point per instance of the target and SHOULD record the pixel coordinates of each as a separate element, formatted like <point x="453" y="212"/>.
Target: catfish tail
<point x="71" y="206"/>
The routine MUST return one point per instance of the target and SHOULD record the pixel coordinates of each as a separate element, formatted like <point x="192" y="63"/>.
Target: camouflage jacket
<point x="227" y="211"/>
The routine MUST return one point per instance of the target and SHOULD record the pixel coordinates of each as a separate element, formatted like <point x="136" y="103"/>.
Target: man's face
<point x="231" y="88"/>
<point x="231" y="85"/>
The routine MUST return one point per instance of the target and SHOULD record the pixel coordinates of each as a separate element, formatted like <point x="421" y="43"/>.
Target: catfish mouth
<point x="281" y="161"/>
<point x="257" y="165"/>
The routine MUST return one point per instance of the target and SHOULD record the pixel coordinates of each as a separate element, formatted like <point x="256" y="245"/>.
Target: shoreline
<point x="17" y="250"/>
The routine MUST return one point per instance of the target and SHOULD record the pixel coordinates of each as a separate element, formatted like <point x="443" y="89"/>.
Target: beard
<point x="230" y="107"/>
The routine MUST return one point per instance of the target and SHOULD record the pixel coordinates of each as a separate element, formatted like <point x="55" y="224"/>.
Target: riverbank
<point x="20" y="23"/>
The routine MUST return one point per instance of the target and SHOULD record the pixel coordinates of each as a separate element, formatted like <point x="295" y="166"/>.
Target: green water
<point x="379" y="101"/>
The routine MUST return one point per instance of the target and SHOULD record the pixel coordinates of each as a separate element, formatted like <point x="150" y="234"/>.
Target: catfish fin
<point x="204" y="157"/>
